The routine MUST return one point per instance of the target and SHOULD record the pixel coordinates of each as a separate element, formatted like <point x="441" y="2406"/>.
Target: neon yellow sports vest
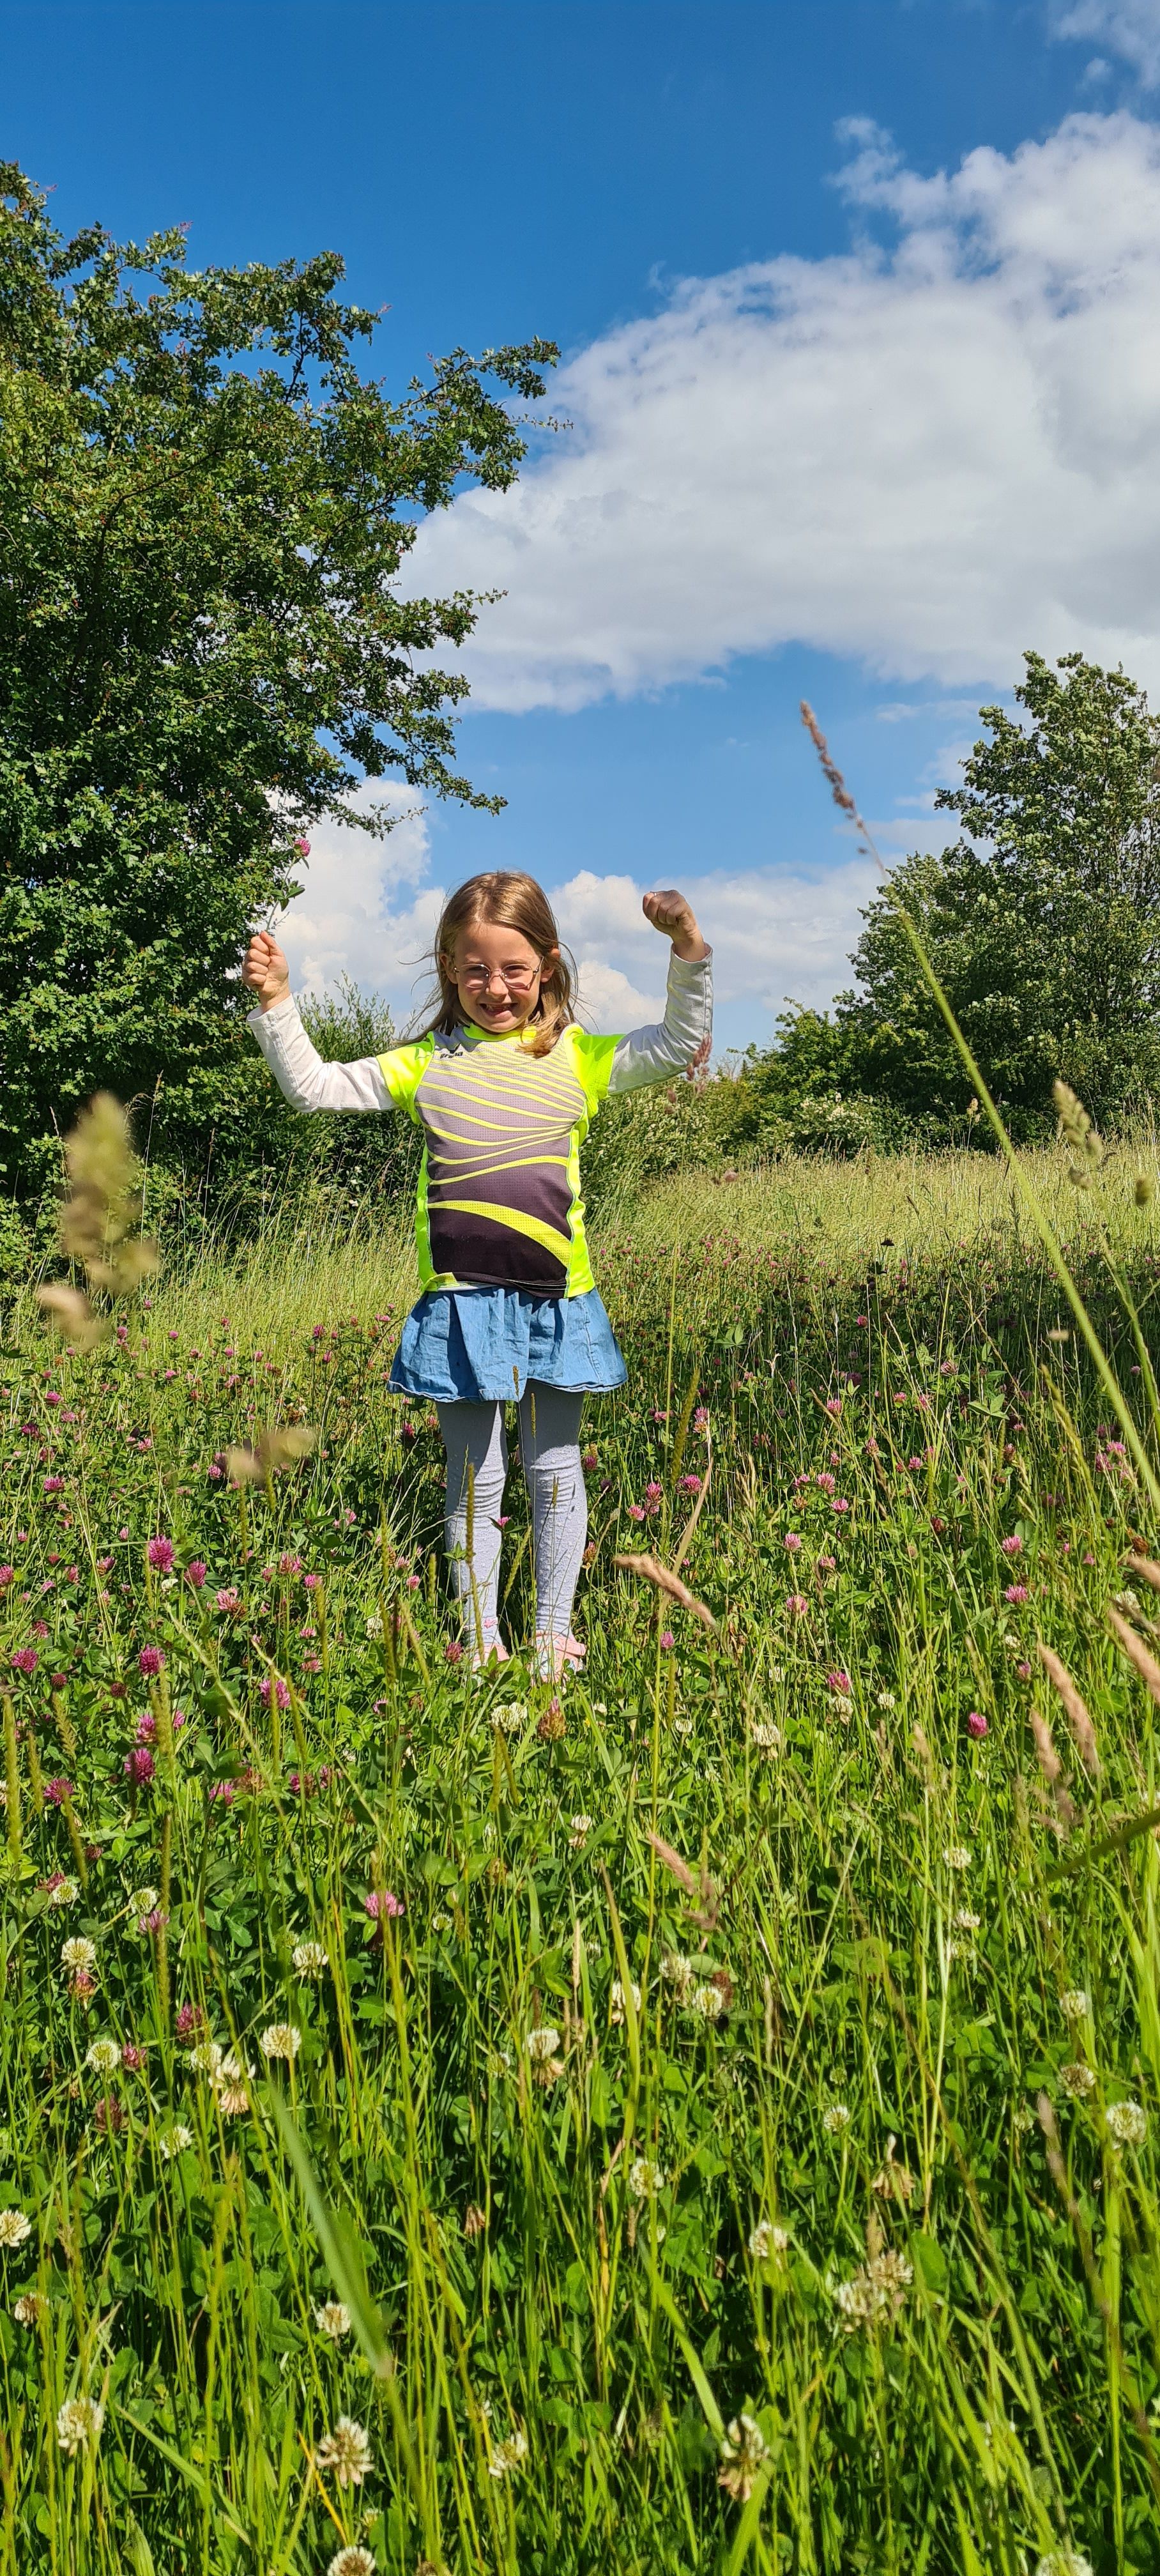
<point x="499" y="1190"/>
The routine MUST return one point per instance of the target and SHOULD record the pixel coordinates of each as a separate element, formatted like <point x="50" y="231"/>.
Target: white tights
<point x="477" y="1460"/>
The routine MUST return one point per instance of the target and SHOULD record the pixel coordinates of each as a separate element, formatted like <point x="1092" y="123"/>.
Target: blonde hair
<point x="505" y="897"/>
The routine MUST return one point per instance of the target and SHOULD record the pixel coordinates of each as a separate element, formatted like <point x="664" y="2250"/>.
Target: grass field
<point x="704" y="2121"/>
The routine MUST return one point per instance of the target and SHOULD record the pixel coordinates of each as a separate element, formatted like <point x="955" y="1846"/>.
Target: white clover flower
<point x="957" y="1856"/>
<point x="374" y="1625"/>
<point x="345" y="2454"/>
<point x="542" y="2044"/>
<point x="765" y="1735"/>
<point x="876" y="2293"/>
<point x="510" y="1717"/>
<point x="1075" y="2005"/>
<point x="1077" y="2079"/>
<point x="742" y="2451"/>
<point x="768" y="2243"/>
<point x="206" y="2058"/>
<point x="333" y="2319"/>
<point x="966" y="1921"/>
<point x="28" y="2307"/>
<point x="679" y="1973"/>
<point x="1126" y="2123"/>
<point x="65" y="1892"/>
<point x="682" y="1726"/>
<point x="616" y="1999"/>
<point x="645" y="2178"/>
<point x="309" y="1958"/>
<point x="581" y="1827"/>
<point x="708" y="2001"/>
<point x="174" y="2140"/>
<point x="140" y="1904"/>
<point x="15" y="2228"/>
<point x="1063" y="2562"/>
<point x="885" y="1699"/>
<point x="352" y="2561"/>
<point x="835" y="2118"/>
<point x="78" y="1953"/>
<point x="104" y="2056"/>
<point x="78" y="2424"/>
<point x="506" y="2457"/>
<point x="281" y="2039"/>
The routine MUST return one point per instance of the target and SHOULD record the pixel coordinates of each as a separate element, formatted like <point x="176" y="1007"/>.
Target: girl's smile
<point x="496" y="973"/>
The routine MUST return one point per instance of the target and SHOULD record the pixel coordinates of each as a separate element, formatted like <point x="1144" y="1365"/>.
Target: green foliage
<point x="1042" y="921"/>
<point x="204" y="509"/>
<point x="580" y="2240"/>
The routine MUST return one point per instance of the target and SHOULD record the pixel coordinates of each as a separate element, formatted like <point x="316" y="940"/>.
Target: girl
<point x="505" y="1085"/>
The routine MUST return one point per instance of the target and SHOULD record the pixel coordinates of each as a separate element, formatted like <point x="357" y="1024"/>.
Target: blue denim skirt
<point x="481" y="1346"/>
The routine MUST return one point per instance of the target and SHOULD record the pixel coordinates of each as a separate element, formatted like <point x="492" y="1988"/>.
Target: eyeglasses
<point x="516" y="979"/>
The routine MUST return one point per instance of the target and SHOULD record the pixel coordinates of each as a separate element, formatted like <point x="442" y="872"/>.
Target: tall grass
<point x="741" y="2149"/>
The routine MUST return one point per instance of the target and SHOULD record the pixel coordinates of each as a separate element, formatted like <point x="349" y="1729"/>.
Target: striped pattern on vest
<point x="500" y="1125"/>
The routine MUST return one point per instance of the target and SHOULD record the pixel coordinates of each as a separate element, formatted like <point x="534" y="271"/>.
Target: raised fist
<point x="265" y="969"/>
<point x="669" y="913"/>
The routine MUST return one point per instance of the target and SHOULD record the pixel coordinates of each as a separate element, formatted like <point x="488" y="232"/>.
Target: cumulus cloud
<point x="1130" y="27"/>
<point x="775" y="937"/>
<point x="926" y="455"/>
<point x="366" y="909"/>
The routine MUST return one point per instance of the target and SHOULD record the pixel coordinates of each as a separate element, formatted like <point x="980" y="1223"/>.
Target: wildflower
<point x="542" y="2044"/>
<point x="742" y="2451"/>
<point x="453" y="1651"/>
<point x="616" y="1999"/>
<point x="1063" y="2562"/>
<point x="206" y="2058"/>
<point x="174" y="2140"/>
<point x="876" y="2294"/>
<point x="160" y="1554"/>
<point x="976" y="1723"/>
<point x="553" y="1723"/>
<point x="78" y="2424"/>
<point x="645" y="2178"/>
<point x="104" y="2056"/>
<point x="190" y="2021"/>
<point x="688" y="1484"/>
<point x="1075" y="2005"/>
<point x="383" y="1903"/>
<point x="508" y="2456"/>
<point x="143" y="1902"/>
<point x="78" y="1953"/>
<point x="196" y="1572"/>
<point x="28" y="2307"/>
<point x="224" y="1791"/>
<point x="1017" y="1593"/>
<point x="333" y="2319"/>
<point x="666" y="1641"/>
<point x="229" y="2086"/>
<point x="835" y="2118"/>
<point x="581" y="1827"/>
<point x="796" y="1604"/>
<point x="309" y="1958"/>
<point x="885" y="1699"/>
<point x="61" y="1890"/>
<point x="680" y="1973"/>
<point x="229" y="1598"/>
<point x="355" y="2560"/>
<point x="1011" y="1546"/>
<point x="792" y="1541"/>
<point x="766" y="1736"/>
<point x="966" y="1921"/>
<point x="767" y="2242"/>
<point x="345" y="2454"/>
<point x="139" y="1766"/>
<point x="1127" y="2124"/>
<point x="708" y="2001"/>
<point x="281" y="2039"/>
<point x="132" y="2058"/>
<point x="268" y="1690"/>
<point x="15" y="2228"/>
<point x="150" y="1662"/>
<point x="957" y="1856"/>
<point x="25" y="1660"/>
<point x="1077" y="2080"/>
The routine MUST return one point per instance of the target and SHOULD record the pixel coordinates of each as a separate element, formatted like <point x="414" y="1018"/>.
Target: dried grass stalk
<point x="1083" y="1732"/>
<point x="648" y="1568"/>
<point x="1145" y="1568"/>
<point x="1137" y="1653"/>
<point x="272" y="1450"/>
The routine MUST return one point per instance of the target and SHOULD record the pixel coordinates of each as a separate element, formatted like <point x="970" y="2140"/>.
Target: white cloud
<point x="774" y="937"/>
<point x="353" y="916"/>
<point x="925" y="458"/>
<point x="1130" y="27"/>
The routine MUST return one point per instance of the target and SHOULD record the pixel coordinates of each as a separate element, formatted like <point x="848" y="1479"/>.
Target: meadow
<point x="703" y="2118"/>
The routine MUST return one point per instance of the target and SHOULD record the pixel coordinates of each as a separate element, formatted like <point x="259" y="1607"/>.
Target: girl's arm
<point x="685" y="1034"/>
<point x="294" y="1061"/>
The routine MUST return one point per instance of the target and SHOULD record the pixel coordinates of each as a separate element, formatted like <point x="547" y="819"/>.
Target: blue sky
<point x="857" y="302"/>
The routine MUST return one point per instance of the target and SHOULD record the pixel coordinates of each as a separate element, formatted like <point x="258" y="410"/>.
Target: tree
<point x="204" y="508"/>
<point x="1042" y="920"/>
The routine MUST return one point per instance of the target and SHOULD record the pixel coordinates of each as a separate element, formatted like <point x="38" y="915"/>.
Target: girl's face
<point x="496" y="974"/>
